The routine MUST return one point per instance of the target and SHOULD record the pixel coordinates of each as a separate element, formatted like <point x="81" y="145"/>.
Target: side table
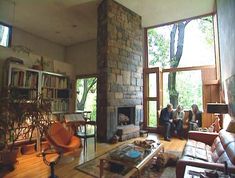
<point x="197" y="172"/>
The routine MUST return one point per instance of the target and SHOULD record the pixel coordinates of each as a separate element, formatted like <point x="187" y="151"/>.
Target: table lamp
<point x="231" y="126"/>
<point x="217" y="109"/>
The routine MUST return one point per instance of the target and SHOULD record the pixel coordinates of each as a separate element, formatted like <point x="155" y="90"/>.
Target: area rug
<point x="91" y="168"/>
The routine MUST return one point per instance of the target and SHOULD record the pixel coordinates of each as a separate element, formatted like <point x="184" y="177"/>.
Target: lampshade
<point x="220" y="108"/>
<point x="231" y="126"/>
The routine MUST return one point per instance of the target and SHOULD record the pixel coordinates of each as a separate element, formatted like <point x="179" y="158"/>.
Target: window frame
<point x="84" y="76"/>
<point x="10" y="34"/>
<point x="159" y="99"/>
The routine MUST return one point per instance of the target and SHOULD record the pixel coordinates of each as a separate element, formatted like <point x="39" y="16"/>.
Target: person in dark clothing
<point x="195" y="118"/>
<point x="166" y="119"/>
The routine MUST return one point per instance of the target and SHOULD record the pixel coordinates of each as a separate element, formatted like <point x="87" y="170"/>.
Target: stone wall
<point x="120" y="65"/>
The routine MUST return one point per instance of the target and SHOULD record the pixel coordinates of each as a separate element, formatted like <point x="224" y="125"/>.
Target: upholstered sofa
<point x="208" y="150"/>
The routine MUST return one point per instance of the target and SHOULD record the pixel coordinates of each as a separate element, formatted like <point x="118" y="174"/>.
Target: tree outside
<point x="184" y="44"/>
<point x="86" y="95"/>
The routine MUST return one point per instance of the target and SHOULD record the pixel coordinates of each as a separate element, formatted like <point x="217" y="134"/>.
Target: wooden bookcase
<point x="55" y="87"/>
<point x="26" y="83"/>
<point x="23" y="82"/>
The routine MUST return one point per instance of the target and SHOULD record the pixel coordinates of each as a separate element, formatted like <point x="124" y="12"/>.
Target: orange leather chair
<point x="61" y="139"/>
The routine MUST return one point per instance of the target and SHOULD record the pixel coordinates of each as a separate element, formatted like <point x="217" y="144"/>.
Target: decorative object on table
<point x="133" y="154"/>
<point x="128" y="153"/>
<point x="147" y="144"/>
<point x="217" y="109"/>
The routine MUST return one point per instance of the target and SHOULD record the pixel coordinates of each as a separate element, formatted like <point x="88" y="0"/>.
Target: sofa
<point x="208" y="150"/>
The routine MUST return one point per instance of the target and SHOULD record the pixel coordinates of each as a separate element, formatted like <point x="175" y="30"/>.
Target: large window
<point x="5" y="35"/>
<point x="183" y="44"/>
<point x="181" y="50"/>
<point x="189" y="87"/>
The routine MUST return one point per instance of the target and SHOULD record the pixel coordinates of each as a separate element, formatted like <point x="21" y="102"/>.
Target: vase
<point x="8" y="158"/>
<point x="28" y="148"/>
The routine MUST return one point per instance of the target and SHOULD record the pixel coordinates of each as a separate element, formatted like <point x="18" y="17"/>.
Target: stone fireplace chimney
<point x="120" y="65"/>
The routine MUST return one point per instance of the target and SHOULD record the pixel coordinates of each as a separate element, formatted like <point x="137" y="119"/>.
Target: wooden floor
<point x="29" y="166"/>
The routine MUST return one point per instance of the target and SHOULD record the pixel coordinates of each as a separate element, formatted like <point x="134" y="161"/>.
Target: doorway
<point x="86" y="95"/>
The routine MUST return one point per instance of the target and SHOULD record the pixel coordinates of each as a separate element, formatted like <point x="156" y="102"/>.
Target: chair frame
<point x="83" y="134"/>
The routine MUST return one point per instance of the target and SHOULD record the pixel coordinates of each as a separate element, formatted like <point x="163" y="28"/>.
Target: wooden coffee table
<point x="136" y="167"/>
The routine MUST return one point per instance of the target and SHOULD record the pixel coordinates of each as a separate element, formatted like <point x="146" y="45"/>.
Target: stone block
<point x="114" y="87"/>
<point x="126" y="77"/>
<point x="118" y="95"/>
<point x="111" y="78"/>
<point x="112" y="63"/>
<point x="119" y="79"/>
<point x="133" y="81"/>
<point x="139" y="82"/>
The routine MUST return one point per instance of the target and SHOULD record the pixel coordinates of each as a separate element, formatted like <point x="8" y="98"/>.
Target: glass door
<point x="152" y="96"/>
<point x="86" y="96"/>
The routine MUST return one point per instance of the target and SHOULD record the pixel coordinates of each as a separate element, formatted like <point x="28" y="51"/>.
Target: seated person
<point x="195" y="118"/>
<point x="166" y="120"/>
<point x="178" y="116"/>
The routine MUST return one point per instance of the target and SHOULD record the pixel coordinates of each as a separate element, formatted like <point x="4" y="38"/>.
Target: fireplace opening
<point x="126" y="115"/>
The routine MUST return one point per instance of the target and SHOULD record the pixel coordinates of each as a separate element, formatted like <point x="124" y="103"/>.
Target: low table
<point x="135" y="166"/>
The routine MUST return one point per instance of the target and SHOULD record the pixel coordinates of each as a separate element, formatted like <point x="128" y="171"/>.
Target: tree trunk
<point x="86" y="89"/>
<point x="175" y="59"/>
<point x="173" y="93"/>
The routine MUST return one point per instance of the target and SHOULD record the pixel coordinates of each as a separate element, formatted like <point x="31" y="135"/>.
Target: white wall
<point x="38" y="45"/>
<point x="83" y="57"/>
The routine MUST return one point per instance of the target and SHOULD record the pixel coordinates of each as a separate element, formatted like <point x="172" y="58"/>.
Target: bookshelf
<point x="23" y="82"/>
<point x="26" y="83"/>
<point x="55" y="87"/>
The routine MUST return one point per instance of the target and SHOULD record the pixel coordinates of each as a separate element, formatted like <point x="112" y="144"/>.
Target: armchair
<point x="61" y="139"/>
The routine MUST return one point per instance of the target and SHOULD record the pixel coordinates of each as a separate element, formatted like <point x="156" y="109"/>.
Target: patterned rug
<point x="91" y="168"/>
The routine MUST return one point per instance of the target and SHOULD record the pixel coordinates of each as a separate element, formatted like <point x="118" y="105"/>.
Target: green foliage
<point x="158" y="47"/>
<point x="93" y="110"/>
<point x="189" y="87"/>
<point x="152" y="114"/>
<point x="206" y="26"/>
<point x="86" y="95"/>
<point x="189" y="90"/>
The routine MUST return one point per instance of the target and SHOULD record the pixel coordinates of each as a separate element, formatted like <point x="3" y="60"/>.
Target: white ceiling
<point x="68" y="22"/>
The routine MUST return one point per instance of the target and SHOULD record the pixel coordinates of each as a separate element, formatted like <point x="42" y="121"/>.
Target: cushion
<point x="215" y="143"/>
<point x="198" y="150"/>
<point x="59" y="134"/>
<point x="230" y="150"/>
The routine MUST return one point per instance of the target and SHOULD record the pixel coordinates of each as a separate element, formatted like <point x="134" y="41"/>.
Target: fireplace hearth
<point x="126" y="115"/>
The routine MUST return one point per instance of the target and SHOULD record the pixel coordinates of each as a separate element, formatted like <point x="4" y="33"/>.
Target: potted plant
<point x="36" y="117"/>
<point x="10" y="130"/>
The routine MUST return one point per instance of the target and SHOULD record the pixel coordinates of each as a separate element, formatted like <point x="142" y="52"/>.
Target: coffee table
<point x="135" y="166"/>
